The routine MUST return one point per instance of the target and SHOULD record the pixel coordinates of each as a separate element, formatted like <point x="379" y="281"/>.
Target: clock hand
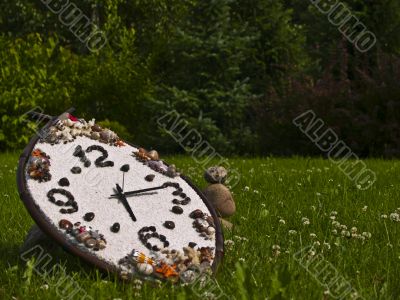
<point x="122" y="197"/>
<point x="142" y="191"/>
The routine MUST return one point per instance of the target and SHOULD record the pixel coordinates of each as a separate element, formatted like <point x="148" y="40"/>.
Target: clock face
<point x="116" y="205"/>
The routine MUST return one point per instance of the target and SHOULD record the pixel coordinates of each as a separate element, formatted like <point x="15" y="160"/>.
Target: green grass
<point x="270" y="190"/>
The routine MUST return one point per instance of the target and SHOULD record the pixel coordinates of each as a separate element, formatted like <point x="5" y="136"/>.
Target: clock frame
<point x="61" y="238"/>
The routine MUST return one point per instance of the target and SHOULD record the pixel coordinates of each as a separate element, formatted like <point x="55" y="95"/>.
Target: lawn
<point x="283" y="206"/>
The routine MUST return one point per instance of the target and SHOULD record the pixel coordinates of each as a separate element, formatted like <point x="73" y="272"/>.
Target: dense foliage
<point x="237" y="71"/>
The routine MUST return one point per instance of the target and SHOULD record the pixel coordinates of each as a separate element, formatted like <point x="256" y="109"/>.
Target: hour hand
<point x="122" y="197"/>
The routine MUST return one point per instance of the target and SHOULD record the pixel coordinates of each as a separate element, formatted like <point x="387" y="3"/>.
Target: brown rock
<point x="221" y="199"/>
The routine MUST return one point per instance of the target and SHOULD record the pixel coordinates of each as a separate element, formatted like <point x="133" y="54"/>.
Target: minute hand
<point x="144" y="190"/>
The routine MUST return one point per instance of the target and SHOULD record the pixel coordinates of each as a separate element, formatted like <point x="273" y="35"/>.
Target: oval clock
<point x="116" y="205"/>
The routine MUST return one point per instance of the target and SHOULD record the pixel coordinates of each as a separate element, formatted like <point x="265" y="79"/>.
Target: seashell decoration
<point x="68" y="127"/>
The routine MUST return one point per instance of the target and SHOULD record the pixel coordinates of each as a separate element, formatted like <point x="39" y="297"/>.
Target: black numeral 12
<point x="99" y="162"/>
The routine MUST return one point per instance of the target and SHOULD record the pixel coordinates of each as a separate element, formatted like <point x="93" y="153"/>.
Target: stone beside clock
<point x="115" y="205"/>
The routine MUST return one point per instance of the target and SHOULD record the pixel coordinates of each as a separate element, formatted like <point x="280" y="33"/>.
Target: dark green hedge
<point x="237" y="71"/>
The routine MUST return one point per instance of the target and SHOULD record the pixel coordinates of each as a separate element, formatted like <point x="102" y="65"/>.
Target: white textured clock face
<point x="92" y="188"/>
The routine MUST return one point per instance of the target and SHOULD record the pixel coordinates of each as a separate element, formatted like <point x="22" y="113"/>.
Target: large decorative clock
<point x="116" y="205"/>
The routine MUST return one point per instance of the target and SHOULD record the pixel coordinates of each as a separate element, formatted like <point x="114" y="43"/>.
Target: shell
<point x="107" y="135"/>
<point x="82" y="237"/>
<point x="210" y="230"/>
<point x="188" y="276"/>
<point x="201" y="223"/>
<point x="101" y="244"/>
<point x="95" y="135"/>
<point x="153" y="155"/>
<point x="68" y="123"/>
<point x="144" y="268"/>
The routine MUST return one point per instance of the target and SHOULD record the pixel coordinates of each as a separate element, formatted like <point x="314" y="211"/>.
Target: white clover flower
<point x="276" y="247"/>
<point x="353" y="229"/>
<point x="229" y="244"/>
<point x="246" y="188"/>
<point x="332" y="217"/>
<point x="335" y="224"/>
<point x="334" y="213"/>
<point x="345" y="233"/>
<point x="384" y="216"/>
<point x="343" y="227"/>
<point x="316" y="244"/>
<point x="365" y="208"/>
<point x="208" y="295"/>
<point x="292" y="232"/>
<point x="327" y="245"/>
<point x="395" y="217"/>
<point x="367" y="235"/>
<point x="311" y="252"/>
<point x="242" y="259"/>
<point x="313" y="235"/>
<point x="334" y="231"/>
<point x="305" y="221"/>
<point x="318" y="194"/>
